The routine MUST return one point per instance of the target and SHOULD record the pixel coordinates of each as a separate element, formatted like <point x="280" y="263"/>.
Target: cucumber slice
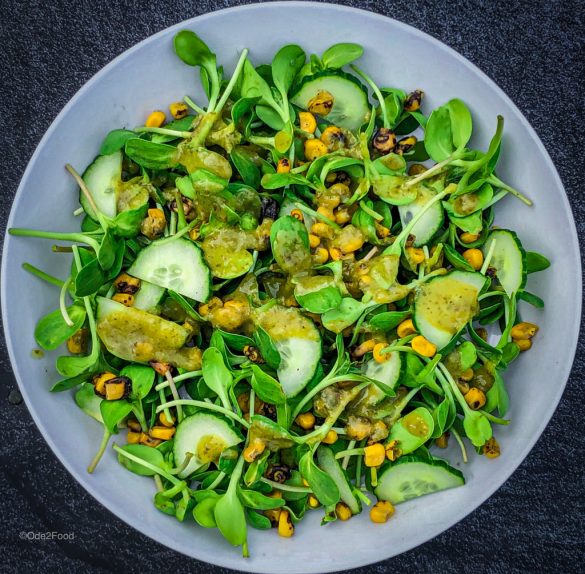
<point x="102" y="178"/>
<point x="430" y="223"/>
<point x="508" y="259"/>
<point x="388" y="373"/>
<point x="298" y="343"/>
<point x="351" y="108"/>
<point x="176" y="265"/>
<point x="445" y="304"/>
<point x="205" y="436"/>
<point x="412" y="430"/>
<point x="410" y="477"/>
<point x="148" y="297"/>
<point x="135" y="335"/>
<point x="327" y="463"/>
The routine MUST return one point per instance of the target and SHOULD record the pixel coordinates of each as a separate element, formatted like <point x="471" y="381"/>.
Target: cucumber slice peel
<point x="508" y="259"/>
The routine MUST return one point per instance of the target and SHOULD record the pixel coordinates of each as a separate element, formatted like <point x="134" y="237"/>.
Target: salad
<point x="279" y="299"/>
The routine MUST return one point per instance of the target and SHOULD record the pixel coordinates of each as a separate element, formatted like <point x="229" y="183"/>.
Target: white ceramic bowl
<point x="149" y="76"/>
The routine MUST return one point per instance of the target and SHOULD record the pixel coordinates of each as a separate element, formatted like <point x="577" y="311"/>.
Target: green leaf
<point x="285" y="66"/>
<point x="531" y="298"/>
<point x="151" y="155"/>
<point x="142" y="378"/>
<point x="270" y="117"/>
<point x="536" y="262"/>
<point x="115" y="141"/>
<point x="203" y="513"/>
<point x="52" y="331"/>
<point x="246" y="168"/>
<point x="254" y="86"/>
<point x="289" y="240"/>
<point x="340" y="55"/>
<point x="216" y="375"/>
<point x="113" y="412"/>
<point x="267" y="387"/>
<point x="477" y="428"/>
<point x="322" y="485"/>
<point x="258" y="501"/>
<point x="388" y="320"/>
<point x="89" y="279"/>
<point x="192" y="50"/>
<point x="146" y="453"/>
<point x="257" y="520"/>
<point x="267" y="348"/>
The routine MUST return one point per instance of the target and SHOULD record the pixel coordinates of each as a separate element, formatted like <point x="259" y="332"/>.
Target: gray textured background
<point x="533" y="49"/>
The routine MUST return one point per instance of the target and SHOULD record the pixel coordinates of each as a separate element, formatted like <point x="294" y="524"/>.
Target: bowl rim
<point x="457" y="516"/>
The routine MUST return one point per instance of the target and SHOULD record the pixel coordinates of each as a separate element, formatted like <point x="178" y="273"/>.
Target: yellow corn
<point x="322" y="103"/>
<point x="77" y="343"/>
<point x="124" y="298"/>
<point x="474" y="257"/>
<point x="332" y="136"/>
<point x="469" y="237"/>
<point x="313" y="501"/>
<point x="342" y="215"/>
<point x="342" y="511"/>
<point x="351" y="244"/>
<point x="374" y="454"/>
<point x="413" y="101"/>
<point x="416" y="169"/>
<point x="335" y="253"/>
<point x="254" y="450"/>
<point x="314" y="149"/>
<point x="314" y="241"/>
<point x="406" y="328"/>
<point x="415" y="254"/>
<point x="99" y="382"/>
<point x="115" y="389"/>
<point x="475" y="398"/>
<point x="166" y="422"/>
<point x="149" y="441"/>
<point x="321" y="255"/>
<point x="523" y="344"/>
<point x="306" y="421"/>
<point x="285" y="526"/>
<point x="381" y="512"/>
<point x="178" y="110"/>
<point x="363" y="348"/>
<point x="155" y="119"/>
<point x="163" y="433"/>
<point x="423" y="347"/>
<point x="331" y="437"/>
<point x="523" y="331"/>
<point x="393" y="450"/>
<point x="326" y="212"/>
<point x="491" y="448"/>
<point x="467" y="375"/>
<point x="283" y="165"/>
<point x="380" y="357"/>
<point x="321" y="229"/>
<point x="381" y="231"/>
<point x="133" y="437"/>
<point x="307" y="122"/>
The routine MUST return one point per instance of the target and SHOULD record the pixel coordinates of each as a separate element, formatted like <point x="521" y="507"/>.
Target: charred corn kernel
<point x="393" y="450"/>
<point x="482" y="332"/>
<point x="469" y="237"/>
<point x="381" y="512"/>
<point x="463" y="386"/>
<point x="339" y="189"/>
<point x="160" y="367"/>
<point x="331" y="437"/>
<point x="253" y="353"/>
<point x="273" y="514"/>
<point x="413" y="101"/>
<point x="474" y="257"/>
<point x="314" y="149"/>
<point x="342" y="215"/>
<point x="307" y="122"/>
<point x="379" y="432"/>
<point x="194" y="234"/>
<point x="332" y="137"/>
<point x="351" y="244"/>
<point x="381" y="231"/>
<point x="442" y="441"/>
<point x="147" y="440"/>
<point x="475" y="398"/>
<point x="124" y="298"/>
<point x="77" y="343"/>
<point x="313" y="501"/>
<point x="297" y="214"/>
<point x="380" y="357"/>
<point x="405" y="145"/>
<point x="133" y="437"/>
<point x="99" y="382"/>
<point x="384" y="140"/>
<point x="524" y="331"/>
<point x="423" y="347"/>
<point x="306" y="421"/>
<point x="342" y="511"/>
<point x="491" y="448"/>
<point x="416" y="169"/>
<point x="254" y="450"/>
<point x="165" y="421"/>
<point x="322" y="103"/>
<point x="322" y="230"/>
<point x="523" y="344"/>
<point x="153" y="225"/>
<point x="134" y="425"/>
<point x="374" y="454"/>
<point x="358" y="428"/>
<point x="467" y="375"/>
<point x="283" y="165"/>
<point x="314" y="241"/>
<point x="406" y="328"/>
<point x="178" y="110"/>
<point x="321" y="255"/>
<point x="162" y="433"/>
<point x="285" y="526"/>
<point x="363" y="348"/>
<point x="415" y="254"/>
<point x="326" y="212"/>
<point x="118" y="388"/>
<point x="335" y="253"/>
<point x="155" y="119"/>
<point x="125" y="283"/>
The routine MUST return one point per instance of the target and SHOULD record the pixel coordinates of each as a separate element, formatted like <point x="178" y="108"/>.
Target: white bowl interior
<point x="150" y="76"/>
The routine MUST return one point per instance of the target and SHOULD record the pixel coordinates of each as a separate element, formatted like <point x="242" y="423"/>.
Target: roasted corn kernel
<point x="321" y="255"/>
<point x="333" y="137"/>
<point x="405" y="328"/>
<point x="314" y="148"/>
<point x="162" y="433"/>
<point x="307" y="122"/>
<point x="523" y="331"/>
<point x="363" y="348"/>
<point x="380" y="357"/>
<point x="523" y="344"/>
<point x="306" y="421"/>
<point x="475" y="398"/>
<point x="155" y="119"/>
<point x="474" y="257"/>
<point x="384" y="140"/>
<point x="178" y="110"/>
<point x="77" y="343"/>
<point x="342" y="511"/>
<point x="99" y="382"/>
<point x="413" y="101"/>
<point x="118" y="388"/>
<point x="322" y="103"/>
<point x="283" y="165"/>
<point x="285" y="526"/>
<point x="469" y="237"/>
<point x="314" y="240"/>
<point x="331" y="437"/>
<point x="254" y="450"/>
<point x="374" y="455"/>
<point x="124" y="298"/>
<point x="405" y="145"/>
<point x="322" y="230"/>
<point x="423" y="347"/>
<point x="153" y="225"/>
<point x="125" y="283"/>
<point x="133" y="437"/>
<point x="415" y="254"/>
<point x="313" y="501"/>
<point x="381" y="512"/>
<point x="165" y="421"/>
<point x="491" y="448"/>
<point x="393" y="450"/>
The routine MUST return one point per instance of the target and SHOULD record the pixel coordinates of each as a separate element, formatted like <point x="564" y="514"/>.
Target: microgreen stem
<point x="317" y="215"/>
<point x="345" y="454"/>
<point x="145" y="464"/>
<point x="286" y="487"/>
<point x="437" y="168"/>
<point x="103" y="445"/>
<point x="138" y="411"/>
<point x="193" y="105"/>
<point x="180" y="233"/>
<point x="217" y="481"/>
<point x="370" y="211"/>
<point x="178" y="379"/>
<point x="87" y="193"/>
<point x="73" y="237"/>
<point x="78" y="211"/>
<point x="62" y="305"/>
<point x="42" y="275"/>
<point x="164" y="132"/>
<point x="228" y="90"/>
<point x="499" y="183"/>
<point x="204" y="405"/>
<point x="179" y="469"/>
<point x="175" y="394"/>
<point x="488" y="257"/>
<point x="461" y="444"/>
<point x="376" y="91"/>
<point x="494" y="419"/>
<point x="163" y="399"/>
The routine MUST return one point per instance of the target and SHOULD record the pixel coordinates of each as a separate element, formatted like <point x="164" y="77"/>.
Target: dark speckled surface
<point x="533" y="49"/>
